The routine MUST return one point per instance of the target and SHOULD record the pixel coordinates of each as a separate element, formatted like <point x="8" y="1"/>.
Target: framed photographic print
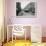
<point x="26" y="8"/>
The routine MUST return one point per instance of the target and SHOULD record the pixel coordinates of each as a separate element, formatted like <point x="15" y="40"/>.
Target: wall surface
<point x="1" y="18"/>
<point x="39" y="19"/>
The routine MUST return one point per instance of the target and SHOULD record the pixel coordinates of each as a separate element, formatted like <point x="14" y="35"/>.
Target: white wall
<point x="39" y="19"/>
<point x="1" y="18"/>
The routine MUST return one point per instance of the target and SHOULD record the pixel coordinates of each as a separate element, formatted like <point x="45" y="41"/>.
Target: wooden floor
<point x="18" y="43"/>
<point x="23" y="43"/>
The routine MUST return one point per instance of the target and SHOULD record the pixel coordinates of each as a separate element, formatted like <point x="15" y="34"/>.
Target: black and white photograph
<point x="25" y="9"/>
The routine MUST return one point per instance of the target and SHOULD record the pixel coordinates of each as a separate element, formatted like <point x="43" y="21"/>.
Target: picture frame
<point x="26" y="8"/>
